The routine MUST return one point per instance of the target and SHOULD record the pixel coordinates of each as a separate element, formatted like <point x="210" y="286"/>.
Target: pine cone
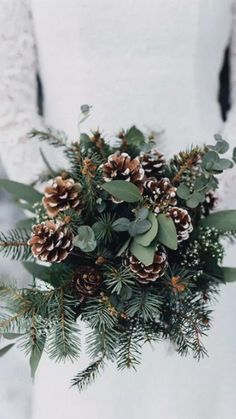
<point x="152" y="162"/>
<point x="182" y="222"/>
<point x="61" y="195"/>
<point x="122" y="167"/>
<point x="151" y="272"/>
<point x="51" y="242"/>
<point x="161" y="193"/>
<point x="87" y="281"/>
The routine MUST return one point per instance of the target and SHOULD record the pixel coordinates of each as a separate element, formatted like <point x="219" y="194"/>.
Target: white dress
<point x="154" y="63"/>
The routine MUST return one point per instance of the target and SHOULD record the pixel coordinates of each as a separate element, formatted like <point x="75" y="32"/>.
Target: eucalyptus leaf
<point x="142" y="214"/>
<point x="224" y="164"/>
<point x="85" y="239"/>
<point x="200" y="183"/>
<point x="135" y="136"/>
<point x="12" y="336"/>
<point x="167" y="232"/>
<point x="121" y="224"/>
<point x="139" y="227"/>
<point x="146" y="238"/>
<point x="229" y="274"/>
<point x="85" y="109"/>
<point x="221" y="146"/>
<point x="209" y="159"/>
<point x="5" y="349"/>
<point x="21" y="191"/>
<point x="38" y="271"/>
<point x="144" y="254"/>
<point x="183" y="191"/>
<point x="124" y="191"/>
<point x="192" y="201"/>
<point x="222" y="220"/>
<point x="35" y="357"/>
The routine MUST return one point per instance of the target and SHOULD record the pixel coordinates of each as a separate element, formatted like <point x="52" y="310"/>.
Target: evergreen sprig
<point x="86" y="377"/>
<point x="14" y="244"/>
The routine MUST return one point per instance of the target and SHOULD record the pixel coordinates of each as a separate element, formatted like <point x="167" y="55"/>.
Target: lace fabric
<point x="18" y="91"/>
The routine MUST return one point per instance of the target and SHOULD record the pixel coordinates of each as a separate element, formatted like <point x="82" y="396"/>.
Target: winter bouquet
<point x="122" y="240"/>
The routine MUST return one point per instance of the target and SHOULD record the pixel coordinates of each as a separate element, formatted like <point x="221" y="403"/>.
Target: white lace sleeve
<point x="227" y="192"/>
<point x="18" y="92"/>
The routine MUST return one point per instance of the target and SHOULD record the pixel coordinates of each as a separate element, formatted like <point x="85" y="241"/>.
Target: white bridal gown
<point x="154" y="63"/>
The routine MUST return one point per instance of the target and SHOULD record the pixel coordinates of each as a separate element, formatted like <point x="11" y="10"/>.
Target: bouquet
<point x="122" y="240"/>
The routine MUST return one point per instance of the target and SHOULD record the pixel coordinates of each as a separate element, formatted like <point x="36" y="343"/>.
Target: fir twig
<point x="15" y="244"/>
<point x="86" y="377"/>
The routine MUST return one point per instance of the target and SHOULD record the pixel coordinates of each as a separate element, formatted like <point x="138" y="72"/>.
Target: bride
<point x="152" y="63"/>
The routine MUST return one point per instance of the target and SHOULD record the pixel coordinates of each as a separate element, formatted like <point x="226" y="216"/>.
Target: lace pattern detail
<point x="18" y="91"/>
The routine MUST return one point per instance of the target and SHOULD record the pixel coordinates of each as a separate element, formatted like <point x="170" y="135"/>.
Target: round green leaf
<point x="146" y="238"/>
<point x="85" y="239"/>
<point x="121" y="224"/>
<point x="183" y="191"/>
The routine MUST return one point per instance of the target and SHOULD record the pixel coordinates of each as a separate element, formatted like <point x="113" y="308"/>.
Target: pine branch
<point x="96" y="313"/>
<point x="129" y="350"/>
<point x="145" y="304"/>
<point x="15" y="244"/>
<point x="63" y="341"/>
<point x="86" y="377"/>
<point x="54" y="137"/>
<point x="119" y="280"/>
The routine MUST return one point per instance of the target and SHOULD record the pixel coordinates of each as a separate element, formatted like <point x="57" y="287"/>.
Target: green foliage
<point x="223" y="220"/>
<point x="63" y="341"/>
<point x="86" y="377"/>
<point x="144" y="254"/>
<point x="54" y="137"/>
<point x="5" y="349"/>
<point x="120" y="314"/>
<point x="146" y="238"/>
<point x="97" y="314"/>
<point x="85" y="239"/>
<point x="14" y="244"/>
<point x="124" y="191"/>
<point x="229" y="274"/>
<point x="145" y="304"/>
<point x="129" y="349"/>
<point x="55" y="275"/>
<point x="120" y="280"/>
<point x="21" y="191"/>
<point x="105" y="228"/>
<point x="167" y="232"/>
<point x="134" y="141"/>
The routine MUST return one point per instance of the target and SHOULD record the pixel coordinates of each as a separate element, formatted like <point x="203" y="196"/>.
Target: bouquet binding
<point x="123" y="240"/>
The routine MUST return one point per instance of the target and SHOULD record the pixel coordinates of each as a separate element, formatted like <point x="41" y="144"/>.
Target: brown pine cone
<point x="151" y="272"/>
<point x="182" y="222"/>
<point x="152" y="162"/>
<point x="161" y="193"/>
<point x="122" y="167"/>
<point x="87" y="281"/>
<point x="51" y="242"/>
<point x="61" y="195"/>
